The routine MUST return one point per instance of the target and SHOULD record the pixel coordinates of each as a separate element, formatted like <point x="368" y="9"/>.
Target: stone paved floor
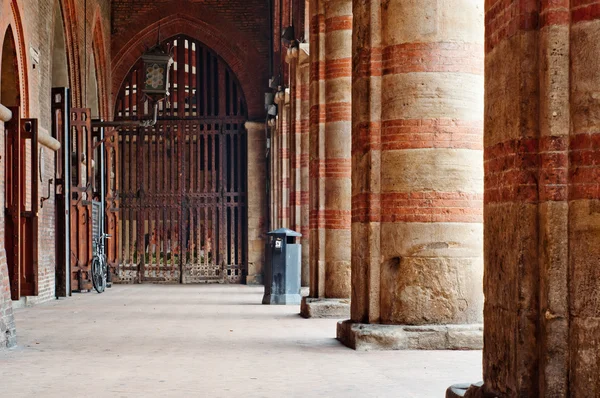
<point x="206" y="341"/>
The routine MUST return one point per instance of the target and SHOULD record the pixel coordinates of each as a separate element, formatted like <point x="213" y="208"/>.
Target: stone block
<point x="372" y="337"/>
<point x="466" y="390"/>
<point x="325" y="308"/>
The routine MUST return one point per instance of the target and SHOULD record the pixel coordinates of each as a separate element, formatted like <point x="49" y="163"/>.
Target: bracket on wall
<point x="45" y="198"/>
<point x="130" y="123"/>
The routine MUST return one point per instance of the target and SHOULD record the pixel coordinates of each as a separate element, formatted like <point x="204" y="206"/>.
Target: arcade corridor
<point x="437" y="160"/>
<point x="206" y="341"/>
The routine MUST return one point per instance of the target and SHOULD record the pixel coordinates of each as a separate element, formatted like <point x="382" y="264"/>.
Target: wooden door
<point x="21" y="228"/>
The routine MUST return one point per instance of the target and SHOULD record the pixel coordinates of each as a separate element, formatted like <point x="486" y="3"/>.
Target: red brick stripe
<point x="585" y="10"/>
<point x="418" y="207"/>
<point x="527" y="170"/>
<point x="304" y="197"/>
<point x="315" y="169"/>
<point x="338" y="112"/>
<point x="432" y="207"/>
<point x="330" y="219"/>
<point x="317" y="71"/>
<point x="366" y="207"/>
<point x="342" y="22"/>
<point x="433" y="57"/>
<point x="317" y="24"/>
<point x="368" y="63"/>
<point x="331" y="168"/>
<point x="284" y="153"/>
<point x="584" y="162"/>
<point x="366" y="137"/>
<point x="330" y="113"/>
<point x="315" y="115"/>
<point x="304" y="160"/>
<point x="337" y="68"/>
<point x="503" y="19"/>
<point x="305" y="231"/>
<point x="554" y="12"/>
<point x="431" y="133"/>
<point x="554" y="18"/>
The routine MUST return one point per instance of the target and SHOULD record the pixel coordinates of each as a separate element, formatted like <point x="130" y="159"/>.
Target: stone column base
<point x="371" y="337"/>
<point x="282" y="299"/>
<point x="254" y="280"/>
<point x="466" y="390"/>
<point x="325" y="308"/>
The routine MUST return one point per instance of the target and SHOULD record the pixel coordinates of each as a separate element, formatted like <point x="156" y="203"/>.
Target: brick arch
<point x="14" y="23"/>
<point x="99" y="49"/>
<point x="238" y="58"/>
<point x="69" y="14"/>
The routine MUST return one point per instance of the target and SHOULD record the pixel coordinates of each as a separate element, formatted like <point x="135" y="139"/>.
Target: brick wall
<point x="7" y="323"/>
<point x="237" y="30"/>
<point x="33" y="24"/>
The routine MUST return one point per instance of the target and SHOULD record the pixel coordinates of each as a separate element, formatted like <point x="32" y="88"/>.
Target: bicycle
<point x="99" y="264"/>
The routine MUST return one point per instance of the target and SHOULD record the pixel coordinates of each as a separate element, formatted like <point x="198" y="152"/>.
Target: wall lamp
<point x="157" y="63"/>
<point x="288" y="36"/>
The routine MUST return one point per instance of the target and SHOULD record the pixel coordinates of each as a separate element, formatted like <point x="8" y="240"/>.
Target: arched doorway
<point x="20" y="229"/>
<point x="9" y="85"/>
<point x="182" y="185"/>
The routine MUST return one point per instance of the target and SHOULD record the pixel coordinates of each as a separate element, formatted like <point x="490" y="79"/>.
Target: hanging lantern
<point x="157" y="64"/>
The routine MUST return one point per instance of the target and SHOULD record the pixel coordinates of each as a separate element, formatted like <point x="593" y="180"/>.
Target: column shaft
<point x="330" y="140"/>
<point x="256" y="201"/>
<point x="299" y="157"/>
<point x="330" y="157"/>
<point x="304" y="71"/>
<point x="417" y="170"/>
<point x="542" y="195"/>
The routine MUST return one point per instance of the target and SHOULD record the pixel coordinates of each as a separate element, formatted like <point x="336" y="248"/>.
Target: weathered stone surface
<point x="465" y="390"/>
<point x="325" y="308"/>
<point x="371" y="337"/>
<point x="417" y="181"/>
<point x="256" y="202"/>
<point x="330" y="148"/>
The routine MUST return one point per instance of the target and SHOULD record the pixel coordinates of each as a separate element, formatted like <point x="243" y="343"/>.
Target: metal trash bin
<point x="283" y="269"/>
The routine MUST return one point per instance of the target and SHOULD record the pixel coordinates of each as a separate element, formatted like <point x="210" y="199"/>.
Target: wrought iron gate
<point x="182" y="183"/>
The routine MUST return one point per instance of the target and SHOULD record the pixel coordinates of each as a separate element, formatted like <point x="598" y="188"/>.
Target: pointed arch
<point x="99" y="50"/>
<point x="14" y="27"/>
<point x="235" y="55"/>
<point x="71" y="27"/>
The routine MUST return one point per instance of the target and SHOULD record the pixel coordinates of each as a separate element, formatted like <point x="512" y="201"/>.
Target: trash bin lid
<point x="285" y="231"/>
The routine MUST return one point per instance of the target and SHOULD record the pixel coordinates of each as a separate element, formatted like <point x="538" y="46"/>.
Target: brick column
<point x="274" y="153"/>
<point x="294" y="139"/>
<point x="542" y="200"/>
<point x="417" y="183"/>
<point x="284" y="159"/>
<point x="257" y="197"/>
<point x="330" y="158"/>
<point x="299" y="144"/>
<point x="303" y="126"/>
<point x="281" y="159"/>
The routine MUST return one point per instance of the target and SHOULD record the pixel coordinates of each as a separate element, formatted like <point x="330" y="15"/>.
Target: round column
<point x="418" y="173"/>
<point x="330" y="157"/>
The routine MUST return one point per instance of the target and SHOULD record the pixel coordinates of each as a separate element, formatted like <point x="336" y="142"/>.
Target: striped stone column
<point x="417" y="183"/>
<point x="542" y="200"/>
<point x="303" y="126"/>
<point x="284" y="161"/>
<point x="256" y="201"/>
<point x="294" y="140"/>
<point x="299" y="203"/>
<point x="274" y="204"/>
<point x="330" y="158"/>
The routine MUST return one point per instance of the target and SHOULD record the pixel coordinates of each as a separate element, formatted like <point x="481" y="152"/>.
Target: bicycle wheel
<point x="98" y="275"/>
